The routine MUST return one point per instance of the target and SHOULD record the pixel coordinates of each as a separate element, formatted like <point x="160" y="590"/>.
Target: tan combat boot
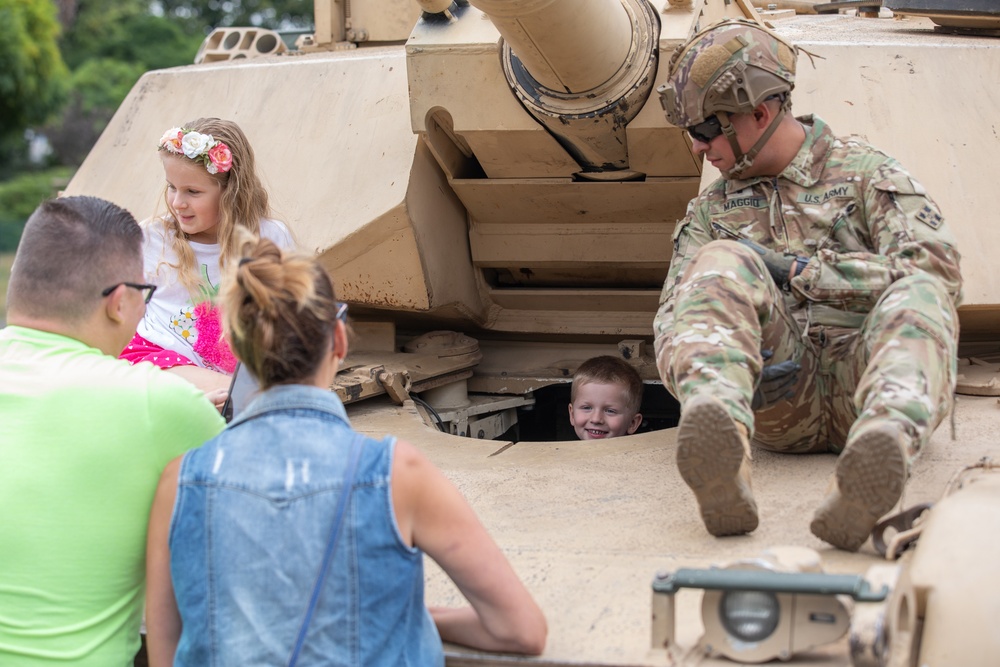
<point x="713" y="456"/>
<point x="868" y="482"/>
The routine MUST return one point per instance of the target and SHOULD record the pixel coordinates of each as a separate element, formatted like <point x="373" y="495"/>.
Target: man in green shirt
<point x="83" y="439"/>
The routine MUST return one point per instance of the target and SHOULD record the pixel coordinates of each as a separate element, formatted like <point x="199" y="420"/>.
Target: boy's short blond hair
<point x="607" y="369"/>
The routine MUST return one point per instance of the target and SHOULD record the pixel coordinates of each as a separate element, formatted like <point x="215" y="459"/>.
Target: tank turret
<point x="504" y="172"/>
<point x="538" y="113"/>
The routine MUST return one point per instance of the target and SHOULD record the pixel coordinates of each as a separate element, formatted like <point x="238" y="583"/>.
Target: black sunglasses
<point x="148" y="289"/>
<point x="707" y="130"/>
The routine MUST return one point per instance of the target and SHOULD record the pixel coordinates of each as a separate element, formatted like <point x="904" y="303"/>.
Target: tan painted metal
<point x="568" y="45"/>
<point x="798" y="6"/>
<point x="588" y="524"/>
<point x="342" y="24"/>
<point x="960" y="541"/>
<point x="235" y="43"/>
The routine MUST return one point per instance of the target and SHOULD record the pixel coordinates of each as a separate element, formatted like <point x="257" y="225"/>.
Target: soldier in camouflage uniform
<point x="810" y="303"/>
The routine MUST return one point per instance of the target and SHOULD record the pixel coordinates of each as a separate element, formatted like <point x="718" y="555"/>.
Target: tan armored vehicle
<point x="493" y="187"/>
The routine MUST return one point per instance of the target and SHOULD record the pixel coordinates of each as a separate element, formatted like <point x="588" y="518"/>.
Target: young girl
<point x="292" y="535"/>
<point x="212" y="191"/>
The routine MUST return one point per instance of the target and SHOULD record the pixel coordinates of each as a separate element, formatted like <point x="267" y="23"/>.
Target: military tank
<point x="493" y="187"/>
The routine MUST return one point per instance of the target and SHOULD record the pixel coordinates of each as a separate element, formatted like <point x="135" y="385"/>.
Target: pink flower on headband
<point x="204" y="148"/>
<point x="171" y="140"/>
<point x="220" y="157"/>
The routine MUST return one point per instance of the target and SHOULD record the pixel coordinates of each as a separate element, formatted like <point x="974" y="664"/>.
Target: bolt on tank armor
<point x="728" y="68"/>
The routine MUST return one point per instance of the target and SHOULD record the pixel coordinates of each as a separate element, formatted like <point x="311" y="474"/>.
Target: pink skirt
<point x="140" y="349"/>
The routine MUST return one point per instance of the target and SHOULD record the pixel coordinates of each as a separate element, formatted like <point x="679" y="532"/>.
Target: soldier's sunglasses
<point x="707" y="130"/>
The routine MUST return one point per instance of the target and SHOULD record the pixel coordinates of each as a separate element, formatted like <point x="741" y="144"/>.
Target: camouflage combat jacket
<point x="858" y="216"/>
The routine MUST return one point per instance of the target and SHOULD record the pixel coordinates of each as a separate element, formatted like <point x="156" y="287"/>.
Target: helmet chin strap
<point x="745" y="160"/>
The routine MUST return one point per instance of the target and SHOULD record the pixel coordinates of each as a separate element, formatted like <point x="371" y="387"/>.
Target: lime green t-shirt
<point x="83" y="440"/>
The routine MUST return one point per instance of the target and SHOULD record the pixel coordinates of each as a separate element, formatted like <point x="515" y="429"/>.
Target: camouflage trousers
<point x="900" y="365"/>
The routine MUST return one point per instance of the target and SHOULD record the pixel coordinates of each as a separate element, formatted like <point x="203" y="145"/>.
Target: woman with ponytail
<point x="290" y="538"/>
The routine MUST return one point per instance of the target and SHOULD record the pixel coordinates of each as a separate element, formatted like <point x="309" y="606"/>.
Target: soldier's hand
<point x="776" y="382"/>
<point x="782" y="266"/>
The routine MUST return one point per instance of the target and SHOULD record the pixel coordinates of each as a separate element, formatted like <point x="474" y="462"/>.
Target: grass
<point x="6" y="259"/>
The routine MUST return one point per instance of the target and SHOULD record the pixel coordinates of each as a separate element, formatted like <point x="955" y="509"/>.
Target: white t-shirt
<point x="171" y="319"/>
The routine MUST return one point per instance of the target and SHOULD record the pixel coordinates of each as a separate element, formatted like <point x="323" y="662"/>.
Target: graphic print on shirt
<point x="200" y="326"/>
<point x="183" y="324"/>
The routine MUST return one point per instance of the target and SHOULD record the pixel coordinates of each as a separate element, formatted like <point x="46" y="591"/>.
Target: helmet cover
<point x="731" y="66"/>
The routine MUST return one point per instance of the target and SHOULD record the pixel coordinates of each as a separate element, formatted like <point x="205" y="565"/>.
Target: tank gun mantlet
<point x="557" y="88"/>
<point x="590" y="124"/>
<point x="526" y="106"/>
<point x="582" y="69"/>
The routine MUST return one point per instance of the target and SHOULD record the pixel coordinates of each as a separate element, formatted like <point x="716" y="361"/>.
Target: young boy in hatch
<point x="605" y="399"/>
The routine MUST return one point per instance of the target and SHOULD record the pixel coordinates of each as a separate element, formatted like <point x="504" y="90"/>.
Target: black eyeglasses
<point x="706" y="130"/>
<point x="148" y="289"/>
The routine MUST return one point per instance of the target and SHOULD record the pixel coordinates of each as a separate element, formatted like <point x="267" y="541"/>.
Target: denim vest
<point x="252" y="518"/>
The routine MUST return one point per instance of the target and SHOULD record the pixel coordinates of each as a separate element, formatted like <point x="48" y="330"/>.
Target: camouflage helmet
<point x="730" y="66"/>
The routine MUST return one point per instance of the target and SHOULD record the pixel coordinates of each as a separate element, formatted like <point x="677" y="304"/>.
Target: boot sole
<point x="871" y="474"/>
<point x="709" y="455"/>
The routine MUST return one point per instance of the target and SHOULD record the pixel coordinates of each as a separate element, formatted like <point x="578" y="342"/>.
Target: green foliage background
<point x="273" y="14"/>
<point x="65" y="82"/>
<point x="19" y="197"/>
<point x="33" y="77"/>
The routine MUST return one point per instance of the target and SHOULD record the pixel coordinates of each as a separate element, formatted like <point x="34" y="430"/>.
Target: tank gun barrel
<point x="571" y="46"/>
<point x="581" y="68"/>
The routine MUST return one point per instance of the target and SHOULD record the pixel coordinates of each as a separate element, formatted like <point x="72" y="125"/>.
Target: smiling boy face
<point x="601" y="411"/>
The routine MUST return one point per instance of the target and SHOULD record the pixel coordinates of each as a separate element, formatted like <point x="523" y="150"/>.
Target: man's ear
<point x="114" y="304"/>
<point x="763" y="114"/>
<point x="636" y="421"/>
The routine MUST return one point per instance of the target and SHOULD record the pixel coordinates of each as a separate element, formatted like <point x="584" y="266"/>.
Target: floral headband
<point x="203" y="148"/>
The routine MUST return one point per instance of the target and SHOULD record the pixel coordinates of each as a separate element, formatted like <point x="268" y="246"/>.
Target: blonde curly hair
<point x="243" y="205"/>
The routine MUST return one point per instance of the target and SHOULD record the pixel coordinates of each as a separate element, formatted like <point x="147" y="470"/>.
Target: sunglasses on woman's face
<point x="707" y="130"/>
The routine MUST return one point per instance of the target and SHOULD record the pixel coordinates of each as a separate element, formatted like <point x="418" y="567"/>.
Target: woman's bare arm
<point x="163" y="621"/>
<point x="434" y="516"/>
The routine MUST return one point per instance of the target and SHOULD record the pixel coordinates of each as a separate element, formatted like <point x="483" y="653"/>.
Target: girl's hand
<point x="217" y="397"/>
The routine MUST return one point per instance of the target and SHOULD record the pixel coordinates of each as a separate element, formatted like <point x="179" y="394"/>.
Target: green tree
<point x="98" y="88"/>
<point x="126" y="30"/>
<point x="272" y="14"/>
<point x="19" y="197"/>
<point x="109" y="45"/>
<point x="32" y="72"/>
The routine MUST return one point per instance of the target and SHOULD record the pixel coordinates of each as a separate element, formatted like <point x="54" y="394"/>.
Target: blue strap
<point x="331" y="546"/>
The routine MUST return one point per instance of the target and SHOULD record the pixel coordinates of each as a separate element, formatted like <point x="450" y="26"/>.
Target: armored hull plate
<point x="588" y="524"/>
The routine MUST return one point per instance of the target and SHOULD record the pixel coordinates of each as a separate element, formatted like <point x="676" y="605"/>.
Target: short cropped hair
<point x="610" y="370"/>
<point x="280" y="313"/>
<point x="73" y="248"/>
